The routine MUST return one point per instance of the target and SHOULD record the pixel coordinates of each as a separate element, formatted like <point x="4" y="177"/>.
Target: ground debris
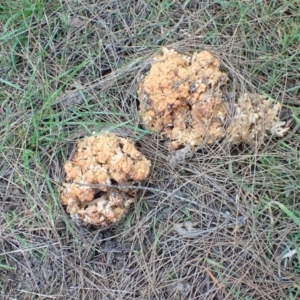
<point x="179" y="156"/>
<point x="187" y="229"/>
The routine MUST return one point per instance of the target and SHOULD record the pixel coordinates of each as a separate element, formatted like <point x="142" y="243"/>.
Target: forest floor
<point x="71" y="68"/>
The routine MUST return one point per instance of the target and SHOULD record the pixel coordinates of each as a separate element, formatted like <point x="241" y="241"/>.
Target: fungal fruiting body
<point x="102" y="162"/>
<point x="181" y="99"/>
<point x="255" y="115"/>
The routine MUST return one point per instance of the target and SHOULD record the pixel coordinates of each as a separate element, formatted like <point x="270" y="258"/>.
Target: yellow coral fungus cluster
<point x="254" y="116"/>
<point x="181" y="98"/>
<point x="102" y="160"/>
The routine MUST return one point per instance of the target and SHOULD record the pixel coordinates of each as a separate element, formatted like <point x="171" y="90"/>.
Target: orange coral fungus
<point x="254" y="116"/>
<point x="102" y="160"/>
<point x="181" y="98"/>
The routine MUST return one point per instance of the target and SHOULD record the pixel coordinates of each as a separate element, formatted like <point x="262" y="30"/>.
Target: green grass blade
<point x="287" y="212"/>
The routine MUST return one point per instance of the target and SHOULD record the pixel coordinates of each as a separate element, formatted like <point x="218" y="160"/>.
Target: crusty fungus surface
<point x="181" y="98"/>
<point x="254" y="117"/>
<point x="103" y="161"/>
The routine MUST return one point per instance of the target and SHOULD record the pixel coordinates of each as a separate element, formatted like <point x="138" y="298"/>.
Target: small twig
<point x="191" y="232"/>
<point x="215" y="280"/>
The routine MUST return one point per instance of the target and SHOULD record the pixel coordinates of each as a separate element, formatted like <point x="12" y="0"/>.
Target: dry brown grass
<point x="73" y="81"/>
